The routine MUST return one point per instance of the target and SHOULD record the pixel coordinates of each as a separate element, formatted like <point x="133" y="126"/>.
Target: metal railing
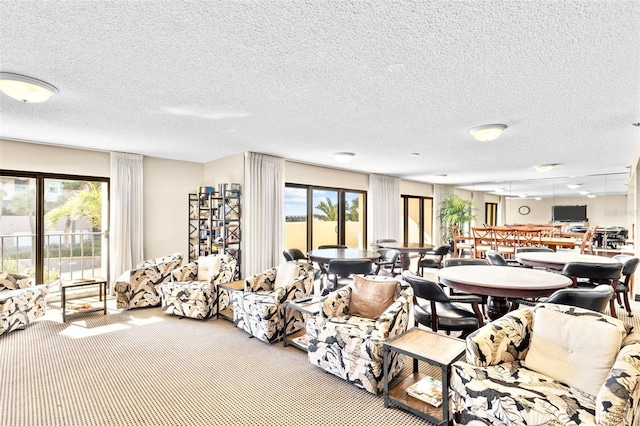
<point x="67" y="255"/>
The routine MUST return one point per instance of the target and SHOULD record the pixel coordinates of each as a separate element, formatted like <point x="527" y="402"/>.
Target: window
<point x="51" y="235"/>
<point x="491" y="214"/>
<point x="316" y="216"/>
<point x="417" y="219"/>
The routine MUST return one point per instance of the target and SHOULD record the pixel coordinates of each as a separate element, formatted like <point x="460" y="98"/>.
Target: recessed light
<point x="415" y="154"/>
<point x="583" y="192"/>
<point x="488" y="132"/>
<point x="522" y="195"/>
<point x="573" y="185"/>
<point x="538" y="198"/>
<point x="544" y="168"/>
<point x="343" y="157"/>
<point x="591" y="196"/>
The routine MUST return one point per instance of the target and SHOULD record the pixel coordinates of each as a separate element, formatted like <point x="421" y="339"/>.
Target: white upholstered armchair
<point x="259" y="310"/>
<point x="20" y="301"/>
<point x="193" y="290"/>
<point x="140" y="287"/>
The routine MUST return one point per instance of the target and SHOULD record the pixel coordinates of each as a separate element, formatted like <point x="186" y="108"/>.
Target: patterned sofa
<point x="259" y="310"/>
<point x="350" y="346"/>
<point x="140" y="287"/>
<point x="20" y="301"/>
<point x="499" y="384"/>
<point x="193" y="290"/>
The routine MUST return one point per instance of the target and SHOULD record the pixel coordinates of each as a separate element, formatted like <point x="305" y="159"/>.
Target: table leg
<point x="63" y="303"/>
<point x="405" y="260"/>
<point x="497" y="307"/>
<point x="103" y="288"/>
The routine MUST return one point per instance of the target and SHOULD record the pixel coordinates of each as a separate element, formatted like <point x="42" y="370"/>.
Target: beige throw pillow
<point x="207" y="265"/>
<point x="370" y="297"/>
<point x="287" y="272"/>
<point x="574" y="350"/>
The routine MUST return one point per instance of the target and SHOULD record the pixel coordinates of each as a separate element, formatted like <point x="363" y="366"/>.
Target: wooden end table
<point x="311" y="305"/>
<point x="102" y="294"/>
<point x="432" y="348"/>
<point x="230" y="287"/>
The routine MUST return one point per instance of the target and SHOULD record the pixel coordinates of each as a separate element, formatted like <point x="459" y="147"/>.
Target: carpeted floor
<point x="143" y="367"/>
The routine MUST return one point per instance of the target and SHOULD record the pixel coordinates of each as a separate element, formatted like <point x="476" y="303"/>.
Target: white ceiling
<point x="202" y="80"/>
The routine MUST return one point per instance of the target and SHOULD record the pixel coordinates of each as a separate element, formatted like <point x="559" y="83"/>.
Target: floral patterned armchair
<point x="193" y="290"/>
<point x="140" y="287"/>
<point x="495" y="386"/>
<point x="259" y="310"/>
<point x="350" y="346"/>
<point x="20" y="301"/>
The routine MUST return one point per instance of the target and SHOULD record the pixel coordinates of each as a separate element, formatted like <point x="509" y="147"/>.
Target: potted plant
<point x="455" y="211"/>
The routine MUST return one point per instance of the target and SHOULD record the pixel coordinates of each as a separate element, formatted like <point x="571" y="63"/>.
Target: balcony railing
<point x="67" y="255"/>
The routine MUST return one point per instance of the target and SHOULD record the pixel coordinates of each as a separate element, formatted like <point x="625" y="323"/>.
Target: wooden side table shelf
<point x="230" y="287"/>
<point x="434" y="349"/>
<point x="311" y="305"/>
<point x="102" y="294"/>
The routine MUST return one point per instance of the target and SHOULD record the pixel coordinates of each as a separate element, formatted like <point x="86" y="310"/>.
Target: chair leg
<point x="627" y="304"/>
<point x="612" y="308"/>
<point x="476" y="310"/>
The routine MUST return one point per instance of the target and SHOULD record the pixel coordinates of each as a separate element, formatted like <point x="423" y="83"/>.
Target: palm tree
<point x="353" y="210"/>
<point x="85" y="203"/>
<point x="329" y="209"/>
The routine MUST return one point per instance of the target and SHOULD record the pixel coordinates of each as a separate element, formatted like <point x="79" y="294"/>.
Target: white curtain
<point x="126" y="237"/>
<point x="263" y="212"/>
<point x="440" y="192"/>
<point x="383" y="208"/>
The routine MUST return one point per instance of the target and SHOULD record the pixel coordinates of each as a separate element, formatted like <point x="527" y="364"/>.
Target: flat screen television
<point x="569" y="213"/>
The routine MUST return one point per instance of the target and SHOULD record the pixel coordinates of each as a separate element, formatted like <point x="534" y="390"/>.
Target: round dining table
<point x="406" y="249"/>
<point x="556" y="260"/>
<point x="500" y="282"/>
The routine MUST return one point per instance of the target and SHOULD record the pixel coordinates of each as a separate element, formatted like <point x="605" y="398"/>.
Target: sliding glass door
<point x="53" y="227"/>
<point x="417" y="219"/>
<point x="324" y="216"/>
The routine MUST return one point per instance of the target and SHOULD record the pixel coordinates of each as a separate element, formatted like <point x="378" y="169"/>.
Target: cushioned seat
<point x="346" y="338"/>
<point x="193" y="291"/>
<point x="259" y="310"/>
<point x="20" y="301"/>
<point x="550" y="371"/>
<point x="140" y="287"/>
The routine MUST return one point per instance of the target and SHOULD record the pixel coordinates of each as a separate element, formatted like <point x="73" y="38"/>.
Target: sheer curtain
<point x="383" y="207"/>
<point x="263" y="212"/>
<point x="126" y="238"/>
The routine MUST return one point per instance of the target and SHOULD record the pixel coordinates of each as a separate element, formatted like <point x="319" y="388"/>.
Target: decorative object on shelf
<point x="214" y="222"/>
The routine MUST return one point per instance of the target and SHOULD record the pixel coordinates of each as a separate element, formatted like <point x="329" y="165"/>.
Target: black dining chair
<point x="387" y="262"/>
<point x="343" y="269"/>
<point x="462" y="296"/>
<point x="434" y="259"/>
<point x="297" y="254"/>
<point x="324" y="267"/>
<point x="433" y="308"/>
<point x="595" y="299"/>
<point x="629" y="266"/>
<point x="588" y="275"/>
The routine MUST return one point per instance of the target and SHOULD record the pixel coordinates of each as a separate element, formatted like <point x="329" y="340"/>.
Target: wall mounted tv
<point x="569" y="213"/>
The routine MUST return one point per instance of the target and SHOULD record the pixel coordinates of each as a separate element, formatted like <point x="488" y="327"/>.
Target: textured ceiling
<point x="202" y="80"/>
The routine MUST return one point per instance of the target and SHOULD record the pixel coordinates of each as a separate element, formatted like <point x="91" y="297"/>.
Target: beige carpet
<point x="143" y="367"/>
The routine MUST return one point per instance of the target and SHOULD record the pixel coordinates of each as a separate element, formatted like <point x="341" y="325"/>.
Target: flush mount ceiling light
<point x="488" y="132"/>
<point x="573" y="185"/>
<point x="25" y="89"/>
<point x="591" y="196"/>
<point x="583" y="192"/>
<point x="343" y="157"/>
<point x="544" y="168"/>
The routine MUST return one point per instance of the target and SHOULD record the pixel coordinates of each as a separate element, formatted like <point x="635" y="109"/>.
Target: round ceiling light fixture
<point x="343" y="157"/>
<point x="25" y="89"/>
<point x="488" y="132"/>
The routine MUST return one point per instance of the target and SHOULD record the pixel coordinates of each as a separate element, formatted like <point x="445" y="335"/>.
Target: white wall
<point x="34" y="157"/>
<point x="167" y="185"/>
<point x="308" y="174"/>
